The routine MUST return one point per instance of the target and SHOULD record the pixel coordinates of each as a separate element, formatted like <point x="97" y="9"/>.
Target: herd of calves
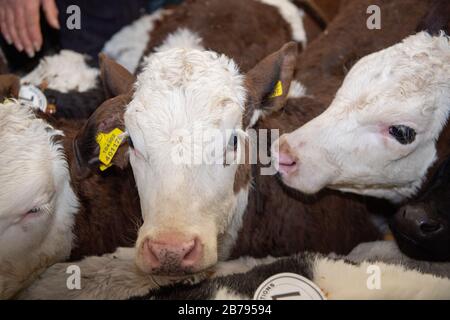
<point x="363" y="137"/>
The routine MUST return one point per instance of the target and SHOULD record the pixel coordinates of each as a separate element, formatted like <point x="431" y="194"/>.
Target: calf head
<point x="378" y="137"/>
<point x="422" y="227"/>
<point x="185" y="101"/>
<point x="37" y="204"/>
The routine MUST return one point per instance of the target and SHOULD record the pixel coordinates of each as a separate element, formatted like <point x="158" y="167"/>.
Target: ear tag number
<point x="277" y="91"/>
<point x="109" y="144"/>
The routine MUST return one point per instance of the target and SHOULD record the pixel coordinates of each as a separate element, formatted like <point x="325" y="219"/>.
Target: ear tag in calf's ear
<point x="109" y="144"/>
<point x="277" y="91"/>
<point x="32" y="96"/>
<point x="288" y="286"/>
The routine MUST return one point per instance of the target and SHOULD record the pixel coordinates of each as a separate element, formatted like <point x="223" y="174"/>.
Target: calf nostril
<point x="286" y="160"/>
<point x="404" y="211"/>
<point x="193" y="255"/>
<point x="153" y="255"/>
<point x="428" y="227"/>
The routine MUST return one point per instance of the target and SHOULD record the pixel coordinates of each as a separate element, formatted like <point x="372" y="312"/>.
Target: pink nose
<point x="172" y="256"/>
<point x="286" y="163"/>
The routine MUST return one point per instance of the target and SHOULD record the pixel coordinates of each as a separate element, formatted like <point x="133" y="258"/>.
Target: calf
<point x="422" y="227"/>
<point x="37" y="202"/>
<point x="393" y="106"/>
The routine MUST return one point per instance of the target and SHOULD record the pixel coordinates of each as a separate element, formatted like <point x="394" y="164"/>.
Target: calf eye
<point x="403" y="134"/>
<point x="233" y="142"/>
<point x="34" y="210"/>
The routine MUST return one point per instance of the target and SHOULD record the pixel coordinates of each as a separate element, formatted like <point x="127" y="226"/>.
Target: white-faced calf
<point x="378" y="137"/>
<point x="37" y="203"/>
<point x="187" y="208"/>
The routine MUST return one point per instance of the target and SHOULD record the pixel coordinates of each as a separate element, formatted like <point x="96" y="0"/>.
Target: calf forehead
<point x="417" y="67"/>
<point x="201" y="77"/>
<point x="185" y="90"/>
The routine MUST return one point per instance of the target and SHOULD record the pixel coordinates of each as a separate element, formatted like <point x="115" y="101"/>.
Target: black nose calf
<point x="422" y="228"/>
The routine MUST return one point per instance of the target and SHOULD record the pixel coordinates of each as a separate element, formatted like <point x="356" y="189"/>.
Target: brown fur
<point x="246" y="30"/>
<point x="9" y="87"/>
<point x="323" y="10"/>
<point x="437" y="18"/>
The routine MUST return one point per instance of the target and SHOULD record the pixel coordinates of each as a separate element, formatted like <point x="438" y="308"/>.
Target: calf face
<point x="189" y="207"/>
<point x="378" y="137"/>
<point x="37" y="204"/>
<point x="422" y="228"/>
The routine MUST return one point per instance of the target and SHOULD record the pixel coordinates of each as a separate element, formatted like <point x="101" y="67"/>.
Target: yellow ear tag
<point x="109" y="144"/>
<point x="278" y="91"/>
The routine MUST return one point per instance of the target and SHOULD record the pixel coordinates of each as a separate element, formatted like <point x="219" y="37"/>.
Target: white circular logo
<point x="288" y="286"/>
<point x="33" y="97"/>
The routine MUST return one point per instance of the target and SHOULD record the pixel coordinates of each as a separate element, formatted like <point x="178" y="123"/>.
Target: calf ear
<point x="106" y="118"/>
<point x="116" y="79"/>
<point x="268" y="83"/>
<point x="9" y="86"/>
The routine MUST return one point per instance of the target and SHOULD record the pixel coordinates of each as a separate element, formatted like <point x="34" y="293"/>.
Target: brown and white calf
<point x="384" y="129"/>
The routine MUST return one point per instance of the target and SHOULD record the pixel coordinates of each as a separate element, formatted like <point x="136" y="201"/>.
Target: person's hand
<point x="19" y="22"/>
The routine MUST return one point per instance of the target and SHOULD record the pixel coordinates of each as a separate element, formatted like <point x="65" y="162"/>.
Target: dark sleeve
<point x="100" y="20"/>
